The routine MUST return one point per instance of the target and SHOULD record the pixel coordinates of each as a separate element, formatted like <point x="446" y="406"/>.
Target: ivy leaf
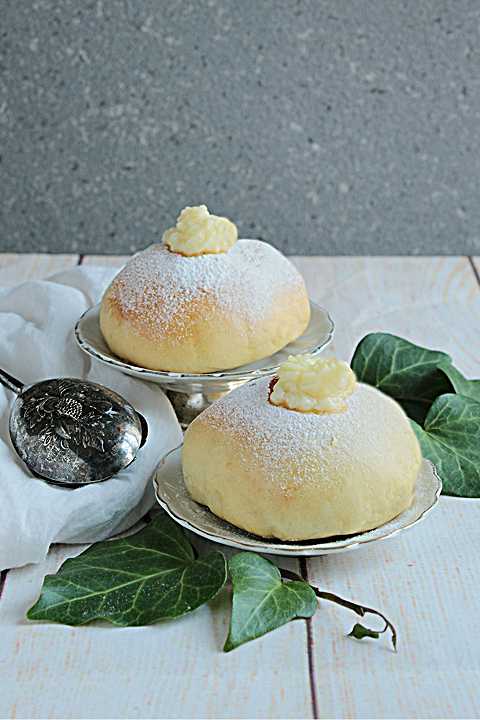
<point x="410" y="374"/>
<point x="423" y="382"/>
<point x="261" y="601"/>
<point x="137" y="580"/>
<point x="462" y="386"/>
<point x="450" y="438"/>
<point x="360" y="631"/>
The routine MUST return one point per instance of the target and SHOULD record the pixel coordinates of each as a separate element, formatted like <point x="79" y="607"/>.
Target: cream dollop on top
<point x="313" y="384"/>
<point x="199" y="233"/>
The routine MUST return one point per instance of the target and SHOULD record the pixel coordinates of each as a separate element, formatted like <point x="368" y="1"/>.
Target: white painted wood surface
<point x="431" y="301"/>
<point x="426" y="580"/>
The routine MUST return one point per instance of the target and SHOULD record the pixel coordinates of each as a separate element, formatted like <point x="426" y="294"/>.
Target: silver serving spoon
<point x="73" y="432"/>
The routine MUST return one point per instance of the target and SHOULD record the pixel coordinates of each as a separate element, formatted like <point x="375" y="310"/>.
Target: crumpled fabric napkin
<point x="36" y="342"/>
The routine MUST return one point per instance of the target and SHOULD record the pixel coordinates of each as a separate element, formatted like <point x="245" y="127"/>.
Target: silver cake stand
<point x="191" y="394"/>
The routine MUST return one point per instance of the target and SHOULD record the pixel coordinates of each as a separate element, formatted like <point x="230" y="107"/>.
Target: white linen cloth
<point x="36" y="342"/>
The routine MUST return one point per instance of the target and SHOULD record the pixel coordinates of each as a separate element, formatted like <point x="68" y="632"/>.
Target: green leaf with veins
<point x="137" y="580"/>
<point x="450" y="438"/>
<point x="410" y="374"/>
<point x="261" y="601"/>
<point x="462" y="386"/>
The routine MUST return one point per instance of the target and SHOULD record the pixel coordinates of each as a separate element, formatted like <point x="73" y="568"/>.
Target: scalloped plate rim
<point x="252" y="543"/>
<point x="166" y="377"/>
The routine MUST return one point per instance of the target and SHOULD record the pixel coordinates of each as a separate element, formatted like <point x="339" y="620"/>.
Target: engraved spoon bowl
<point x="73" y="432"/>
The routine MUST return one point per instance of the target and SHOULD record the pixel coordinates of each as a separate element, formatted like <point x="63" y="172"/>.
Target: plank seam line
<point x="310" y="650"/>
<point x="3" y="577"/>
<point x="474" y="268"/>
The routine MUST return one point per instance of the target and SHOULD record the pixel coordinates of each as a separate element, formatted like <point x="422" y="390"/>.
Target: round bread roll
<point x="203" y="313"/>
<point x="296" y="475"/>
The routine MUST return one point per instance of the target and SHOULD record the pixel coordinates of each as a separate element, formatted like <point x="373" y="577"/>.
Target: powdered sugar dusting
<point x="277" y="435"/>
<point x="158" y="287"/>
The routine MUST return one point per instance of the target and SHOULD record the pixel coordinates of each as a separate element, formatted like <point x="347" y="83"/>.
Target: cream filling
<point x="199" y="233"/>
<point x="313" y="384"/>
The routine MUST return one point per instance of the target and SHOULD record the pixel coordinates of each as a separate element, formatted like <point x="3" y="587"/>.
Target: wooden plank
<point x="173" y="669"/>
<point x="475" y="261"/>
<point x="431" y="301"/>
<point x="18" y="268"/>
<point x="425" y="579"/>
<point x="108" y="260"/>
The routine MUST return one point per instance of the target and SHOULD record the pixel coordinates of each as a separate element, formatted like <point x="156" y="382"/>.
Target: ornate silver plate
<point x="172" y="495"/>
<point x="190" y="394"/>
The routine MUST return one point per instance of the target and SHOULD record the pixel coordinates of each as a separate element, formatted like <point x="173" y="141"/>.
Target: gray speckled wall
<point x="322" y="126"/>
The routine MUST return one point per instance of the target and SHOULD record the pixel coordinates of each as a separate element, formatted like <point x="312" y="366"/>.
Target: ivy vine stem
<point x="358" y="631"/>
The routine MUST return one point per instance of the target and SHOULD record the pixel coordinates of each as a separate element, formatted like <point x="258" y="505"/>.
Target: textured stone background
<point x="322" y="126"/>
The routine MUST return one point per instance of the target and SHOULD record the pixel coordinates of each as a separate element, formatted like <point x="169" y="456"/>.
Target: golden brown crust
<point x="150" y="319"/>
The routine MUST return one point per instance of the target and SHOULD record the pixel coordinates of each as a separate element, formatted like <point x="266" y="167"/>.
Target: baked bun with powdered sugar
<point x="203" y="301"/>
<point x="311" y="454"/>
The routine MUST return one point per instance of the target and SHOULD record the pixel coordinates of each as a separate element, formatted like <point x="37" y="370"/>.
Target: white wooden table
<point x="426" y="580"/>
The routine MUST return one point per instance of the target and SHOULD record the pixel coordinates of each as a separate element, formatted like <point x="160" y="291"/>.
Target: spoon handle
<point x="10" y="382"/>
